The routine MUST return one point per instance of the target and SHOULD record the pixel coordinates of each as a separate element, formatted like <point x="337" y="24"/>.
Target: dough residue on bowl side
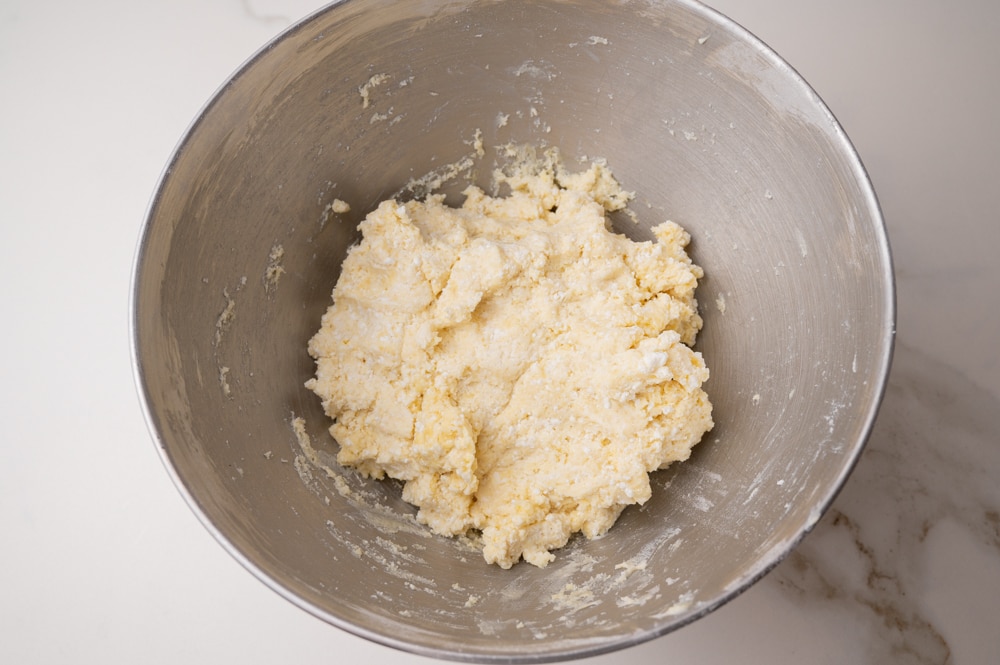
<point x="521" y="367"/>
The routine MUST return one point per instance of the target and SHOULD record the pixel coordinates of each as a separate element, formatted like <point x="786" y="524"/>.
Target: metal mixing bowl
<point x="239" y="254"/>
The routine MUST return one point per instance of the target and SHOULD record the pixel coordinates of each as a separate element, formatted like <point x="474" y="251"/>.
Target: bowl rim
<point x="765" y="564"/>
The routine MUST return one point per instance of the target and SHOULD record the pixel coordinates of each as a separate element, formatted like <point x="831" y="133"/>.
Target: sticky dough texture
<point x="519" y="366"/>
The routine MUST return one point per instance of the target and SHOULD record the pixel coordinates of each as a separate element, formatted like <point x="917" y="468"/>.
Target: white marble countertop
<point x="104" y="563"/>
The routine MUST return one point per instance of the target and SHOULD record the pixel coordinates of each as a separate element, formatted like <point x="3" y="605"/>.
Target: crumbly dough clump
<point x="519" y="366"/>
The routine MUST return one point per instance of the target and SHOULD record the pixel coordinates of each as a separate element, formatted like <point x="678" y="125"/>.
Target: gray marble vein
<point x="933" y="456"/>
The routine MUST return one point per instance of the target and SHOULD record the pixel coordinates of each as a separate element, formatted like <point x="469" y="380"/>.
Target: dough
<point x="519" y="366"/>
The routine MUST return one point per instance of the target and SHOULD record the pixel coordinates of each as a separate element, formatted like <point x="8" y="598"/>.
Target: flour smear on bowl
<point x="518" y="365"/>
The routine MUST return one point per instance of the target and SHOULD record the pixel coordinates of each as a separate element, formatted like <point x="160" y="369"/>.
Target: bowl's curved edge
<point x="887" y="339"/>
<point x="138" y="372"/>
<point x="776" y="554"/>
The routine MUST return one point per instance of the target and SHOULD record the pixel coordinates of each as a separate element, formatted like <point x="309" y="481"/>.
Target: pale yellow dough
<point x="518" y="365"/>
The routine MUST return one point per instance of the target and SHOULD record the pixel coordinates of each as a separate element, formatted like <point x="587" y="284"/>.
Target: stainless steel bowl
<point x="239" y="254"/>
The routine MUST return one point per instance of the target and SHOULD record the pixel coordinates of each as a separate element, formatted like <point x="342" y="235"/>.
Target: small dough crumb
<point x="226" y="317"/>
<point x="573" y="598"/>
<point x="477" y="143"/>
<point x="366" y="89"/>
<point x="629" y="567"/>
<point x="224" y="381"/>
<point x="518" y="365"/>
<point x="274" y="269"/>
<point x="336" y="207"/>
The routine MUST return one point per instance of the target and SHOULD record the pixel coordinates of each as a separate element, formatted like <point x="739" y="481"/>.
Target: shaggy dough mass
<point x="520" y="367"/>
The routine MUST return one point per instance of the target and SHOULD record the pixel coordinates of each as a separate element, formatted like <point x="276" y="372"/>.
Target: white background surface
<point x="102" y="562"/>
